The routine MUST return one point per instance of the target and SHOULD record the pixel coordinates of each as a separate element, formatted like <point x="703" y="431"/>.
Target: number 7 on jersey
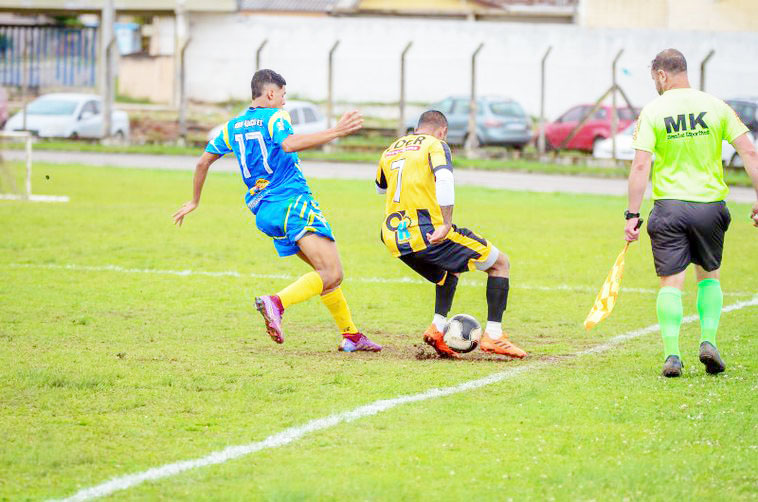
<point x="398" y="164"/>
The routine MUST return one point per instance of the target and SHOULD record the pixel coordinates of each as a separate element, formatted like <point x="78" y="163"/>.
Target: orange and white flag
<point x="606" y="298"/>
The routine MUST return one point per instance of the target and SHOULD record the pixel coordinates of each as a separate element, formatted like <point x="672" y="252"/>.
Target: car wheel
<point x="119" y="137"/>
<point x="478" y="140"/>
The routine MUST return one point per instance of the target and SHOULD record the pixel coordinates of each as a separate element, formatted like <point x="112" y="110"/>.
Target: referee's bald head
<point x="670" y="60"/>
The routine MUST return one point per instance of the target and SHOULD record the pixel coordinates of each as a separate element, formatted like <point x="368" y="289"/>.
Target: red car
<point x="597" y="128"/>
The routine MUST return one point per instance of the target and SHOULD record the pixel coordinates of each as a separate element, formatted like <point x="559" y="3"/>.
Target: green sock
<point x="669" y="308"/>
<point x="710" y="299"/>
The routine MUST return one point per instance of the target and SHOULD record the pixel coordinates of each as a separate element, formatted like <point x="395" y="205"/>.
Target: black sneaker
<point x="672" y="367"/>
<point x="709" y="356"/>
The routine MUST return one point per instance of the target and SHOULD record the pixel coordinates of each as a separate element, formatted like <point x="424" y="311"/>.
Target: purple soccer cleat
<point x="272" y="311"/>
<point x="356" y="342"/>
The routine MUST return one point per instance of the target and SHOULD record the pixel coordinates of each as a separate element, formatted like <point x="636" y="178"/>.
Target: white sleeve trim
<point x="380" y="191"/>
<point x="445" y="186"/>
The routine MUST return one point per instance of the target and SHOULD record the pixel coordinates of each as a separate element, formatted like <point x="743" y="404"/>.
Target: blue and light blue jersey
<point x="255" y="138"/>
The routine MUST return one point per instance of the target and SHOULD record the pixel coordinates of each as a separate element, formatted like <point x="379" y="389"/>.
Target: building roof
<point x="50" y="6"/>
<point x="325" y="6"/>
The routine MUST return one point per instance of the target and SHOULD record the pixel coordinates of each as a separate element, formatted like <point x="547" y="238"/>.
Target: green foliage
<point x="105" y="372"/>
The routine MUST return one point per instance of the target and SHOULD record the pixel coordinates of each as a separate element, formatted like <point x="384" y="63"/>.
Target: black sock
<point x="497" y="298"/>
<point x="444" y="298"/>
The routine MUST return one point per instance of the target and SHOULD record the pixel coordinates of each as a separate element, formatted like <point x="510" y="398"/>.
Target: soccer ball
<point x="462" y="333"/>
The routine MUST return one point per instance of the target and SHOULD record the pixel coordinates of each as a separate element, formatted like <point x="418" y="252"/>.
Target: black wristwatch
<point x="629" y="215"/>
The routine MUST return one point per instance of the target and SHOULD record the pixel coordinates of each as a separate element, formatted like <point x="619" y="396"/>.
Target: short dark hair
<point x="261" y="78"/>
<point x="432" y="117"/>
<point x="670" y="61"/>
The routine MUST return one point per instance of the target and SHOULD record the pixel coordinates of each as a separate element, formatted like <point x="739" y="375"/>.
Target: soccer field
<point x="127" y="344"/>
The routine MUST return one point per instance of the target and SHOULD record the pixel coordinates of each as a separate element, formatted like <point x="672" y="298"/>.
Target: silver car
<point x="69" y="115"/>
<point x="499" y="121"/>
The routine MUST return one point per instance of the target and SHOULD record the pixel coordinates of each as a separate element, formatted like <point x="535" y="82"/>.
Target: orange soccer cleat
<point x="502" y="346"/>
<point x="433" y="337"/>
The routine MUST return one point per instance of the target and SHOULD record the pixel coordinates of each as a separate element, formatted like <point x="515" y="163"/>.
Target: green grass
<point x="105" y="373"/>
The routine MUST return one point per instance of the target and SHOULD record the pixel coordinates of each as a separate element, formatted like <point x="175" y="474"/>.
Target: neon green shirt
<point x="684" y="128"/>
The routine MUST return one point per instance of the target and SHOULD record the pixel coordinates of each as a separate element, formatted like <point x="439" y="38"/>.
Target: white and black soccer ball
<point x="462" y="333"/>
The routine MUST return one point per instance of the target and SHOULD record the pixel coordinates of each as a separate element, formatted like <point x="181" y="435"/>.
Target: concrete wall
<point x="221" y="58"/>
<point x="146" y="77"/>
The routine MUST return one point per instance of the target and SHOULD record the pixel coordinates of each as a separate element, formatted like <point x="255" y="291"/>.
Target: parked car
<point x="596" y="129"/>
<point x="747" y="111"/>
<point x="306" y="118"/>
<point x="603" y="149"/>
<point x="499" y="121"/>
<point x="68" y="115"/>
<point x="729" y="155"/>
<point x="3" y="106"/>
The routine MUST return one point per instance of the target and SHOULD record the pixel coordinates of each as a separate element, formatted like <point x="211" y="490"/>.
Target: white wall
<point x="221" y="58"/>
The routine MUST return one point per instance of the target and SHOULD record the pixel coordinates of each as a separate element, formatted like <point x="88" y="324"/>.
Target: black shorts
<point x="687" y="232"/>
<point x="463" y="250"/>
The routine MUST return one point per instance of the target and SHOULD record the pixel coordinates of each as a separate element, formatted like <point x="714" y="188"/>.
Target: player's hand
<point x="754" y="214"/>
<point x="631" y="231"/>
<point x="183" y="211"/>
<point x="438" y="235"/>
<point x="349" y="123"/>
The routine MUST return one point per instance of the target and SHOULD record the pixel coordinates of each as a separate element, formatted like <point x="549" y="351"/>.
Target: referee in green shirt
<point x="684" y="128"/>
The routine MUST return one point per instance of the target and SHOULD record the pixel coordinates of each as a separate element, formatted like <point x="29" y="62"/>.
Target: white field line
<point x="292" y="434"/>
<point x="389" y="280"/>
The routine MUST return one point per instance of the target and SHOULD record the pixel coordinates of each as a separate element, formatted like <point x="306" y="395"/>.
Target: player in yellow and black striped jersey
<point x="416" y="174"/>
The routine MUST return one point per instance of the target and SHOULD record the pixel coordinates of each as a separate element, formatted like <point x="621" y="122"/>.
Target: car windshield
<point x="507" y="109"/>
<point x="51" y="107"/>
<point x="629" y="130"/>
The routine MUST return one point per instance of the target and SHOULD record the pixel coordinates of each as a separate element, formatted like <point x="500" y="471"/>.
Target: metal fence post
<point x="258" y="54"/>
<point x="330" y="80"/>
<point x="401" y="104"/>
<point x="614" y="113"/>
<point x="25" y="76"/>
<point x="471" y="139"/>
<point x="181" y="41"/>
<point x="107" y="41"/>
<point x="541" y="140"/>
<point x="702" y="68"/>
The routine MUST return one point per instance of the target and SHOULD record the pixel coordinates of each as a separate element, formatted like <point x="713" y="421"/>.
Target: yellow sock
<point x="307" y="286"/>
<point x="337" y="305"/>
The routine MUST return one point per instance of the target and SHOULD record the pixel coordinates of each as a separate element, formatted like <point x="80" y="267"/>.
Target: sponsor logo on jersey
<point x="680" y="127"/>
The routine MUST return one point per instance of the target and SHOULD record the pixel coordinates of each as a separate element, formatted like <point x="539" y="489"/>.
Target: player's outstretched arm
<point x="749" y="156"/>
<point x="201" y="171"/>
<point x="348" y="124"/>
<point x="638" y="177"/>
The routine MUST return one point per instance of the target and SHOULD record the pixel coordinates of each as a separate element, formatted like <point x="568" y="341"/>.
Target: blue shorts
<point x="287" y="221"/>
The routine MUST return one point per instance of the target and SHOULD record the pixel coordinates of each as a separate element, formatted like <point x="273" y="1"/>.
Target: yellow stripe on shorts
<point x="474" y="245"/>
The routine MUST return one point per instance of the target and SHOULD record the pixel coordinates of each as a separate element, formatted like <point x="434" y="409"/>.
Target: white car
<point x="306" y="118"/>
<point x="729" y="155"/>
<point x="603" y="148"/>
<point x="68" y="115"/>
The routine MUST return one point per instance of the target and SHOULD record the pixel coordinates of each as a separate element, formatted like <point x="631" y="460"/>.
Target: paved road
<point x="319" y="169"/>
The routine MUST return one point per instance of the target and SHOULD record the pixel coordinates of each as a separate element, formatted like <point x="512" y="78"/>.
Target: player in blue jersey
<point x="279" y="197"/>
